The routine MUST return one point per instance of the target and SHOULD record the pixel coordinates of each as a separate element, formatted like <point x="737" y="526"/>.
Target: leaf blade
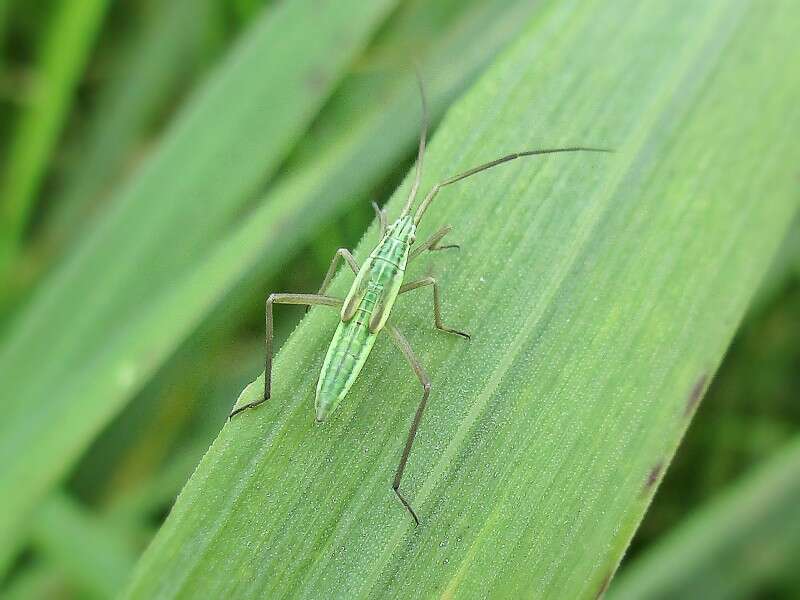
<point x="534" y="463"/>
<point x="712" y="553"/>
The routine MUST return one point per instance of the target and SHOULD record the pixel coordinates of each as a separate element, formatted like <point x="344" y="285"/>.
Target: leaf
<point x="38" y="581"/>
<point x="103" y="559"/>
<point x="64" y="50"/>
<point x="151" y="67"/>
<point x="730" y="545"/>
<point x="601" y="292"/>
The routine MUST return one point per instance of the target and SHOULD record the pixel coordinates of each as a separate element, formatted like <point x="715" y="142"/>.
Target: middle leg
<point x="437" y="304"/>
<point x="308" y="300"/>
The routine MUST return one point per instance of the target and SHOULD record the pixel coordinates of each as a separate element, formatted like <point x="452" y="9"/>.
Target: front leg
<point x="432" y="243"/>
<point x="307" y="299"/>
<point x="437" y="306"/>
<point x="341" y="253"/>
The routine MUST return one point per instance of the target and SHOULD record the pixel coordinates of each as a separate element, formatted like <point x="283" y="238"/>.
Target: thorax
<point x="378" y="282"/>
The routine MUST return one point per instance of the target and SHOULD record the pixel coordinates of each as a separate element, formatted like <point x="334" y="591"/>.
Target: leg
<point x="437" y="305"/>
<point x="405" y="348"/>
<point x="381" y="214"/>
<point x="309" y="299"/>
<point x="432" y="243"/>
<point x="340" y="253"/>
<point x="343" y="253"/>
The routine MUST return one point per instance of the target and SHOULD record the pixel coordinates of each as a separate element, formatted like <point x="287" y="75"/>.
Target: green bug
<point x="364" y="313"/>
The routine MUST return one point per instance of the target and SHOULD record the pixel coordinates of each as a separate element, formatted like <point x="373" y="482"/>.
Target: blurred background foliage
<point x="86" y="91"/>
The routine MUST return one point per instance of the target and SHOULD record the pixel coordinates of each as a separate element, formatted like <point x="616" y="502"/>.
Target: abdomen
<point x="349" y="349"/>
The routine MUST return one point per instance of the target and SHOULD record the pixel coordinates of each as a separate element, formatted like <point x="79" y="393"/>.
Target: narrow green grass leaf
<point x="731" y="545"/>
<point x="601" y="292"/>
<point x="66" y="45"/>
<point x="4" y="10"/>
<point x="784" y="269"/>
<point x="88" y="550"/>
<point x="229" y="138"/>
<point x="748" y="414"/>
<point x="37" y="581"/>
<point x="153" y="65"/>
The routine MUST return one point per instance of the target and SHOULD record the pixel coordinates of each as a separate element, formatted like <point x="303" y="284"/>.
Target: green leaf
<point x="64" y="51"/>
<point x="102" y="561"/>
<point x="5" y="5"/>
<point x="601" y="292"/>
<point x="152" y="66"/>
<point x="232" y="134"/>
<point x="38" y="580"/>
<point x="732" y="544"/>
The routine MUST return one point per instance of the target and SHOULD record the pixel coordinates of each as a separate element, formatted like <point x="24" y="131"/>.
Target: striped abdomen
<point x="364" y="314"/>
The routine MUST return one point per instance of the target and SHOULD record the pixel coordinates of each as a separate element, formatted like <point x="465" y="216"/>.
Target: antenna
<point x="422" y="139"/>
<point x="499" y="161"/>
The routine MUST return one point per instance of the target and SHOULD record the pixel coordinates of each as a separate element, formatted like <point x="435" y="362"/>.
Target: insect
<point x="365" y="311"/>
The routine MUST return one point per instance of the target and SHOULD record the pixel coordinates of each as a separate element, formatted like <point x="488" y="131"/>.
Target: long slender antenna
<point x="422" y="139"/>
<point x="499" y="161"/>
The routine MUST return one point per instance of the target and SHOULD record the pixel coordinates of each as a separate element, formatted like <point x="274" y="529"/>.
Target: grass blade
<point x="37" y="581"/>
<point x="547" y="433"/>
<point x="100" y="563"/>
<point x="729" y="546"/>
<point x="66" y="46"/>
<point x="155" y="63"/>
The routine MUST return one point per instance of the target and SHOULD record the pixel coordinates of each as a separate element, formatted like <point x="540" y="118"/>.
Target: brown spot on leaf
<point x="652" y="477"/>
<point x="317" y="80"/>
<point x="696" y="393"/>
<point x="604" y="585"/>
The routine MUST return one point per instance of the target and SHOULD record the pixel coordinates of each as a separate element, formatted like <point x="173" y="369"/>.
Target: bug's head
<point x="403" y="229"/>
